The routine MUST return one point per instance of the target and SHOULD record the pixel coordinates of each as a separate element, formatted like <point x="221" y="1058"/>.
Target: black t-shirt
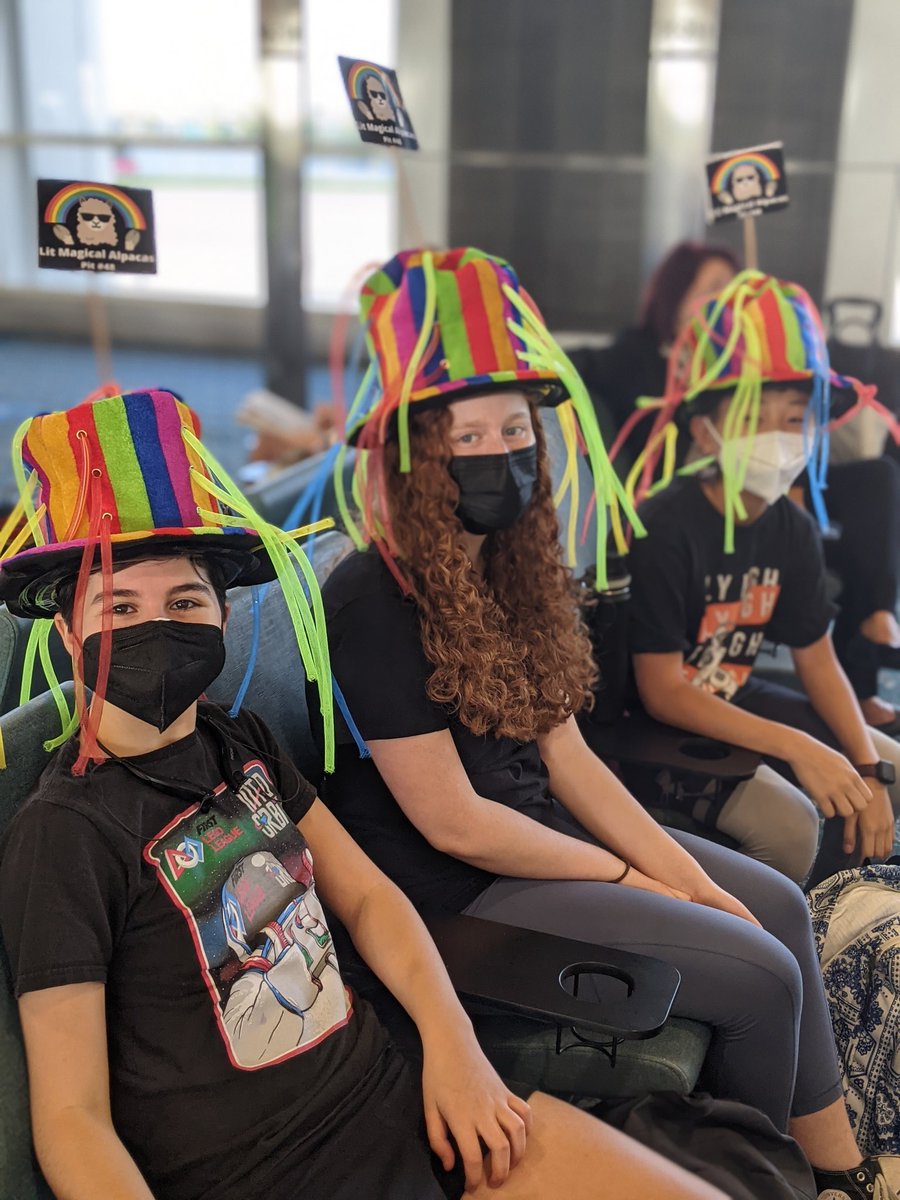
<point x="382" y="670"/>
<point x="688" y="595"/>
<point x="235" y="1049"/>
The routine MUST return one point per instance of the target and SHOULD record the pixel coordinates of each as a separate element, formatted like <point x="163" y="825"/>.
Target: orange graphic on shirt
<point x="730" y="636"/>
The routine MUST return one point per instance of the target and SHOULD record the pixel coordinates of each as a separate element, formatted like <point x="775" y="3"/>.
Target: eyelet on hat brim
<point x="28" y="581"/>
<point x="548" y="392"/>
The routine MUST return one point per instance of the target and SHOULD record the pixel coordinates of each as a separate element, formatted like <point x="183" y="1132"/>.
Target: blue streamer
<point x="816" y="353"/>
<point x="308" y="505"/>
<point x="257" y="595"/>
<point x="361" y="746"/>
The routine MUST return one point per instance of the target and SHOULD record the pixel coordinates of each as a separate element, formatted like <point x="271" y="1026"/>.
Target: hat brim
<point x="551" y="389"/>
<point x="28" y="582"/>
<point x="842" y="394"/>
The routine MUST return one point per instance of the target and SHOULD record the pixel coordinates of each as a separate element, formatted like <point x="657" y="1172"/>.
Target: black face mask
<point x="494" y="489"/>
<point x="157" y="669"/>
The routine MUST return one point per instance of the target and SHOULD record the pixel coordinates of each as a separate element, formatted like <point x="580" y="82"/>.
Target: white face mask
<point x="775" y="460"/>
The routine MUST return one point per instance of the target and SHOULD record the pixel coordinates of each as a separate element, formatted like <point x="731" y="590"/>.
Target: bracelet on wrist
<point x="619" y="878"/>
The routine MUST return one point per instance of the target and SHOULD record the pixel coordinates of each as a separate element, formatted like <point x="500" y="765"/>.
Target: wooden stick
<point x="408" y="208"/>
<point x="98" y="319"/>
<point x="751" y="252"/>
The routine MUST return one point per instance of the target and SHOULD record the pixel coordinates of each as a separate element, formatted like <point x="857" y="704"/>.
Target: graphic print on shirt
<point x="732" y="629"/>
<point x="242" y="876"/>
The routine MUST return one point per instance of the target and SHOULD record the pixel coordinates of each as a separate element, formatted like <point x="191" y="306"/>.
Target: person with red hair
<point x="458" y="647"/>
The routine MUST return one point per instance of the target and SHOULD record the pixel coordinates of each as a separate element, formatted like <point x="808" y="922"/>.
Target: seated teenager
<point x="730" y="561"/>
<point x="187" y="1030"/>
<point x="863" y="496"/>
<point x="456" y="641"/>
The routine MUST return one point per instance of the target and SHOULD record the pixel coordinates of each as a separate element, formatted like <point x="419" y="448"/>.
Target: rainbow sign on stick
<point x="85" y="226"/>
<point x="377" y="104"/>
<point x="746" y="183"/>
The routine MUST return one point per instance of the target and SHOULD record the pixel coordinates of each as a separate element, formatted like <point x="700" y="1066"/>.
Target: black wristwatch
<point x="883" y="772"/>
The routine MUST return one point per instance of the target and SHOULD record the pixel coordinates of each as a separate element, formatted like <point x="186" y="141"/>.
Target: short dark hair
<point x="707" y="404"/>
<point x="215" y="573"/>
<point x="670" y="282"/>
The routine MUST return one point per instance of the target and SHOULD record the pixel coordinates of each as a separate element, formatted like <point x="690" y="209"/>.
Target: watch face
<point x="883" y="772"/>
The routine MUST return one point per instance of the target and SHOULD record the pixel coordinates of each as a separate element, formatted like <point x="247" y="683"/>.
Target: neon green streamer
<point x="310" y="632"/>
<point x="25" y="485"/>
<point x="301" y="619"/>
<point x="340" y="495"/>
<point x="37" y="643"/>
<point x="70" y="727"/>
<point x="416" y="359"/>
<point x="323" y="676"/>
<point x="62" y="707"/>
<point x="544" y="352"/>
<point x="31" y="646"/>
<point x="361" y="392"/>
<point x="569" y="481"/>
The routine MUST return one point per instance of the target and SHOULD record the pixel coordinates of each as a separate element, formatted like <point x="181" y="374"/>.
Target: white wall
<point x="864" y="251"/>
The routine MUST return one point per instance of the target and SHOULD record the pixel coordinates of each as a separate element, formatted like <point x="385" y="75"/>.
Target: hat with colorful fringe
<point x="442" y="325"/>
<point x="127" y="477"/>
<point x="759" y="330"/>
<point x="122" y="467"/>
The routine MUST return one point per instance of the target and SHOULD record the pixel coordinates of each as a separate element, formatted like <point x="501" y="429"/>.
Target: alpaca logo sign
<point x="95" y="227"/>
<point x="377" y="105"/>
<point x="746" y="183"/>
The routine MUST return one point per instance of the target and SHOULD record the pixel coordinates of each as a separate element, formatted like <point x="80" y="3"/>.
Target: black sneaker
<point x="864" y="1182"/>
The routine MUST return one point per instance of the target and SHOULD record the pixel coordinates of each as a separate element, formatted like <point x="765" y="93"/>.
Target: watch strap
<point x="883" y="771"/>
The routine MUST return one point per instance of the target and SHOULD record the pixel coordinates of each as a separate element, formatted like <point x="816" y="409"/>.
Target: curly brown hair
<point x="510" y="651"/>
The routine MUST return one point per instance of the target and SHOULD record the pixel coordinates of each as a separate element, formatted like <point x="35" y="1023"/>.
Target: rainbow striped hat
<point x="759" y="330"/>
<point x="127" y="467"/>
<point x="437" y="328"/>
<point x="441" y="325"/>
<point x="122" y="477"/>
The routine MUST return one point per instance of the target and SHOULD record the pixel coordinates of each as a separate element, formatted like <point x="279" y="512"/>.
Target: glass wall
<point x="167" y="98"/>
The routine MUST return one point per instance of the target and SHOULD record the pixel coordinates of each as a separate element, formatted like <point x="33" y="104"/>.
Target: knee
<point x="775" y="823"/>
<point x="798" y="832"/>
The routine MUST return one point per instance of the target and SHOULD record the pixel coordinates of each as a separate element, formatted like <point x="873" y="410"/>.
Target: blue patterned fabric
<point x="862" y="983"/>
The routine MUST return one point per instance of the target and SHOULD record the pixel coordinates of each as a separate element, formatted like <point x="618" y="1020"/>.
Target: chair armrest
<point x="522" y="970"/>
<point x="637" y="738"/>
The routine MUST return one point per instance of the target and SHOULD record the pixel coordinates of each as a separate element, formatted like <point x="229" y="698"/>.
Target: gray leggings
<point x="759" y="989"/>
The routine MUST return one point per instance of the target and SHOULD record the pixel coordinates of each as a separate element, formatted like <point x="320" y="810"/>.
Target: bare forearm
<point x="690" y="708"/>
<point x="82" y="1158"/>
<point x="506" y="842"/>
<point x="832" y="697"/>
<point x="407" y="962"/>
<point x="601" y="803"/>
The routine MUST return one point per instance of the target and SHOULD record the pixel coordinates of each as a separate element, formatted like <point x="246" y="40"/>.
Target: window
<point x="167" y="98"/>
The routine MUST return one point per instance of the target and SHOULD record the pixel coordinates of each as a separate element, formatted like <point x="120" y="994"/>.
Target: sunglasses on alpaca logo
<point x="94" y="216"/>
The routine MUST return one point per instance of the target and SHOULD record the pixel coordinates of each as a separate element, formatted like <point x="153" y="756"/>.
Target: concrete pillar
<point x="681" y="82"/>
<point x="281" y="137"/>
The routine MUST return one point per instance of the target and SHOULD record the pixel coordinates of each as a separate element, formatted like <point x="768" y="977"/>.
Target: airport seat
<point x="14" y="633"/>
